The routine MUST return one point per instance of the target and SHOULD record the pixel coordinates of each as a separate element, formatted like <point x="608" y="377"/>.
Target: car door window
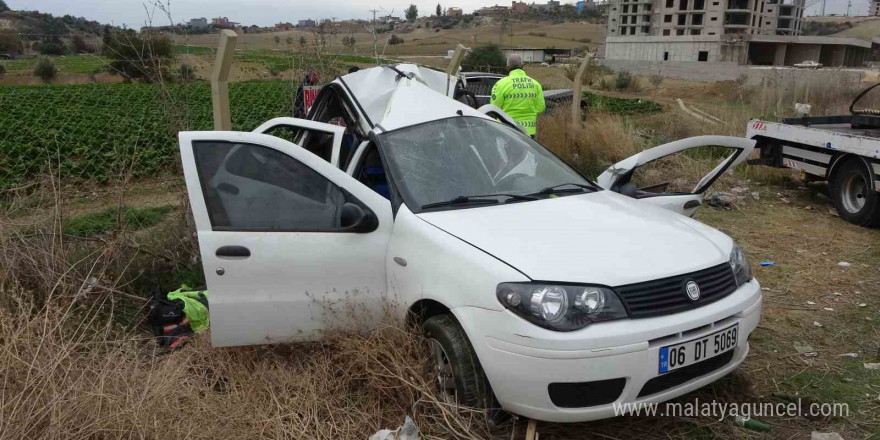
<point x="252" y="187"/>
<point x="665" y="176"/>
<point x="332" y="109"/>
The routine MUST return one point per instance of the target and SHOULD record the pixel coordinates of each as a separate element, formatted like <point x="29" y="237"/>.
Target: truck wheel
<point x="854" y="195"/>
<point x="455" y="367"/>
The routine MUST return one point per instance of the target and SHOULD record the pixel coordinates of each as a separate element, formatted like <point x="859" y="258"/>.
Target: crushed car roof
<point x="391" y="101"/>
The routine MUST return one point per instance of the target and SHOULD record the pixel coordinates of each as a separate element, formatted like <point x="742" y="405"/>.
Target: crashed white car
<point x="540" y="291"/>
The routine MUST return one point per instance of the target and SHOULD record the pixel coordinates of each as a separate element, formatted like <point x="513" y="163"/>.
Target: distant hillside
<point x="856" y="27"/>
<point x="33" y="31"/>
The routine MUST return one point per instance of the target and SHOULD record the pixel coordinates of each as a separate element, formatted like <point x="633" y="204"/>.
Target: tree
<point x="3" y="6"/>
<point x="484" y="58"/>
<point x="412" y="13"/>
<point x="289" y="41"/>
<point x="45" y="70"/>
<point x="78" y="44"/>
<point x="439" y="10"/>
<point x="9" y="42"/>
<point x="349" y="42"/>
<point x="303" y="42"/>
<point x="395" y="40"/>
<point x="145" y="59"/>
<point x="277" y="40"/>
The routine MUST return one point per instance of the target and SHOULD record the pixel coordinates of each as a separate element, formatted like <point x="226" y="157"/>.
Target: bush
<point x="656" y="80"/>
<point x="78" y="44"/>
<point x="2" y="69"/>
<point x="186" y="73"/>
<point x="485" y="58"/>
<point x="52" y="47"/>
<point x="623" y="80"/>
<point x="45" y="70"/>
<point x="138" y="58"/>
<point x="9" y="42"/>
<point x="395" y="40"/>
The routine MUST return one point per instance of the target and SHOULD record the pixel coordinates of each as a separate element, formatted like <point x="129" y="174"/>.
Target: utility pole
<point x="848" y="7"/>
<point x="823" y="8"/>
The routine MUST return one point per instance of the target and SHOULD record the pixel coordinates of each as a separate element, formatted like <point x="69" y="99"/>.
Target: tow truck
<point x="842" y="150"/>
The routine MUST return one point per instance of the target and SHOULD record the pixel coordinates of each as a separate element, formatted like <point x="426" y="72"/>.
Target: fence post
<point x="576" y="95"/>
<point x="455" y="62"/>
<point x="219" y="80"/>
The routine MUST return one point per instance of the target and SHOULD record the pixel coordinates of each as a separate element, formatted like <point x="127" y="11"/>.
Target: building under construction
<point x="745" y="32"/>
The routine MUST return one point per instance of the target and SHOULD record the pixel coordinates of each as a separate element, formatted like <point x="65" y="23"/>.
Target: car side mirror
<point x="354" y="218"/>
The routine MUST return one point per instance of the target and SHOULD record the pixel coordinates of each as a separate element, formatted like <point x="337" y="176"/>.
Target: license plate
<point x="673" y="357"/>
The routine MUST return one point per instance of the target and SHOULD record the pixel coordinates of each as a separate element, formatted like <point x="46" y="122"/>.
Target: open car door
<point x="283" y="235"/>
<point x="620" y="176"/>
<point x="325" y="140"/>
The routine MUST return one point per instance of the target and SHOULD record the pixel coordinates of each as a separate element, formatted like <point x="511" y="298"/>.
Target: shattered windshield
<point x="465" y="157"/>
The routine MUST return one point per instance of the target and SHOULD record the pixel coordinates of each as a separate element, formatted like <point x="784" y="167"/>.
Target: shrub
<point x="623" y="80"/>
<point x="9" y="42"/>
<point x="79" y="45"/>
<point x="45" y="70"/>
<point x="138" y="58"/>
<point x="186" y="73"/>
<point x="487" y="57"/>
<point x="2" y="69"/>
<point x="656" y="80"/>
<point x="51" y="47"/>
<point x="395" y="40"/>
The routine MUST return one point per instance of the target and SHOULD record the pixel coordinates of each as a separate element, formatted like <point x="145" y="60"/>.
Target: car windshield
<point x="457" y="158"/>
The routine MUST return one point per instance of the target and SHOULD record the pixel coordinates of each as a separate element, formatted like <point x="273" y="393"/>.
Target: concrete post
<point x="576" y="117"/>
<point x="219" y="80"/>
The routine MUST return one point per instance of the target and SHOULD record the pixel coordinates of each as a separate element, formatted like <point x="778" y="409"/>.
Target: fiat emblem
<point x="693" y="290"/>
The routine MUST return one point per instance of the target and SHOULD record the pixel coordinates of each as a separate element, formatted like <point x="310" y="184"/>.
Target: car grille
<point x="669" y="295"/>
<point x="678" y="377"/>
<point x="585" y="394"/>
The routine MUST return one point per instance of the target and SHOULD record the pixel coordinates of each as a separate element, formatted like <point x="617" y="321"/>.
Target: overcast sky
<point x="269" y="12"/>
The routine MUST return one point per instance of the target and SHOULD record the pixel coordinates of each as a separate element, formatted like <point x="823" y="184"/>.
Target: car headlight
<point x="740" y="265"/>
<point x="561" y="307"/>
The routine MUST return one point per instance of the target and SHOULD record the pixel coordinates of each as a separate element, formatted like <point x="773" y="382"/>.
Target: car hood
<point x="603" y="238"/>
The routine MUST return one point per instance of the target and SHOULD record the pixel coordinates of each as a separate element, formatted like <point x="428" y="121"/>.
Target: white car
<point x="809" y="64"/>
<point x="540" y="292"/>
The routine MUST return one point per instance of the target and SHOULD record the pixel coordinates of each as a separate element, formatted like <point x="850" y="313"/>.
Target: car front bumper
<point x="521" y="360"/>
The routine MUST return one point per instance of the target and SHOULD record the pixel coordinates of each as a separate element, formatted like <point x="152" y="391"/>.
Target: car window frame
<point x="347" y="196"/>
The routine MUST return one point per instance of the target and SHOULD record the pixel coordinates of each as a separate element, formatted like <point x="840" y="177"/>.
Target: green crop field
<point x="94" y="131"/>
<point x="64" y="64"/>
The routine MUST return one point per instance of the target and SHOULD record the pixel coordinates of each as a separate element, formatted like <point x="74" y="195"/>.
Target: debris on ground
<point x="871" y="365"/>
<point x="409" y="431"/>
<point x="844" y="264"/>
<point x="811" y="303"/>
<point x="804" y="349"/>
<point x="724" y="200"/>
<point x="827" y="309"/>
<point x="825" y="436"/>
<point x="768" y="263"/>
<point x="849" y="355"/>
<point x="863" y="305"/>
<point x="753" y="424"/>
<point x="756" y="196"/>
<point x="817" y="323"/>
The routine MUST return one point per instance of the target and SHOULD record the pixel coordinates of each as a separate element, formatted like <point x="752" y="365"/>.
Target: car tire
<point x="853" y="192"/>
<point x="452" y="354"/>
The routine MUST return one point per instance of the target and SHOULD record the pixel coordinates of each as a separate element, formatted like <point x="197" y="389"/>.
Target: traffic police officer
<point x="521" y="97"/>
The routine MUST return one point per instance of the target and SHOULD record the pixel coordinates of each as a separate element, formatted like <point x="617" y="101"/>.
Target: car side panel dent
<point x="441" y="267"/>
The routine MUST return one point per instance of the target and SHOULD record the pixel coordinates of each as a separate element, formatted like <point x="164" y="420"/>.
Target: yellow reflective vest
<point x="520" y="97"/>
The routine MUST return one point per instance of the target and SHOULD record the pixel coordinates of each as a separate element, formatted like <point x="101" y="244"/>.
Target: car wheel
<point x="457" y="373"/>
<point x="854" y="195"/>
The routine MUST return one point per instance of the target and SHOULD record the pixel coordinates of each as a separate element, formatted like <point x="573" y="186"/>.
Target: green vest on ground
<point x="520" y="97"/>
<point x="195" y="311"/>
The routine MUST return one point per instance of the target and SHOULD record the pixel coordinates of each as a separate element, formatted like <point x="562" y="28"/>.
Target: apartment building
<point x="704" y="17"/>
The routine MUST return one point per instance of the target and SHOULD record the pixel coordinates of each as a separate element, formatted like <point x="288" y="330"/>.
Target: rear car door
<point x="620" y="177"/>
<point x="284" y="235"/>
